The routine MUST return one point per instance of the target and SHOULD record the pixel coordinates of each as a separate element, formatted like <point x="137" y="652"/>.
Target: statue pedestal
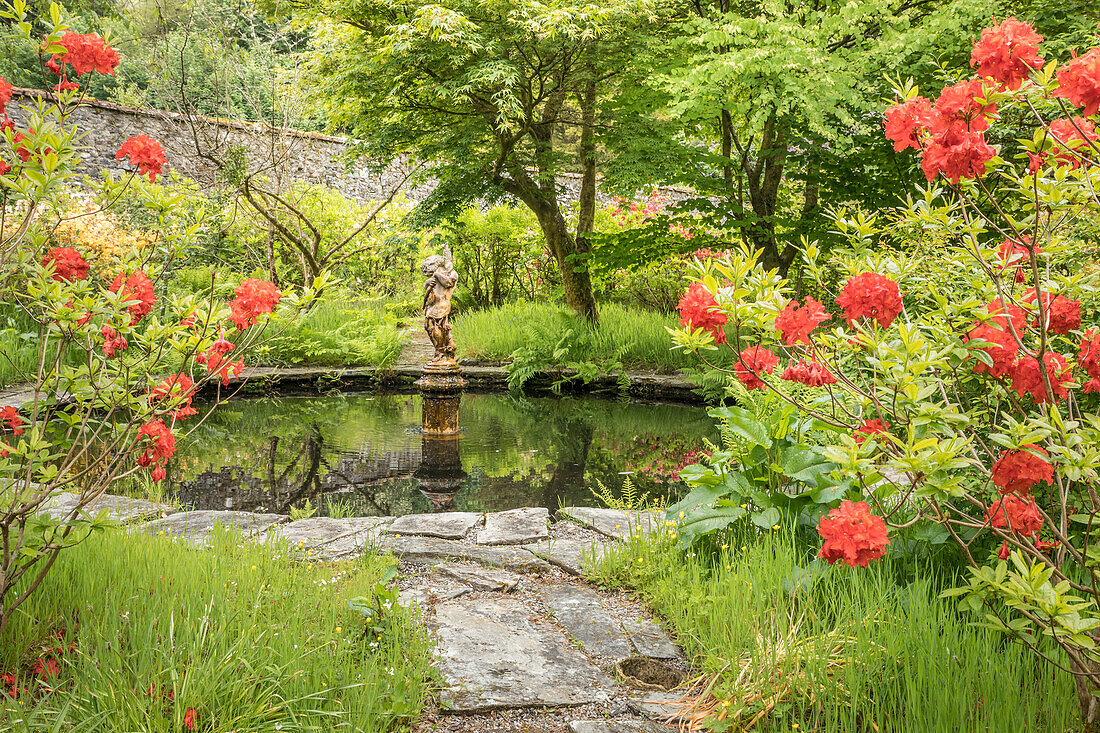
<point x="441" y="387"/>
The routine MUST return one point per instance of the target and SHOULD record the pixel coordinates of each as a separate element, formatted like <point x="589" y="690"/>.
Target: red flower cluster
<point x="872" y="296"/>
<point x="1020" y="514"/>
<point x="178" y="390"/>
<point x="68" y="264"/>
<point x="162" y="448"/>
<point x="11" y="416"/>
<point x="1007" y="53"/>
<point x="85" y="53"/>
<point x="811" y="373"/>
<point x="1079" y="82"/>
<point x="1063" y="314"/>
<point x="753" y="361"/>
<point x="1028" y="379"/>
<point x="191" y="719"/>
<point x="698" y="309"/>
<point x="145" y="153"/>
<point x="795" y="324"/>
<point x="1016" y="254"/>
<point x="852" y="534"/>
<point x="956" y="155"/>
<point x="1002" y="351"/>
<point x="254" y="298"/>
<point x="870" y="427"/>
<point x="1017" y="470"/>
<point x="135" y="287"/>
<point x="1001" y="314"/>
<point x="908" y="122"/>
<point x="9" y="684"/>
<point x="1089" y="359"/>
<point x="216" y="363"/>
<point x="1071" y="136"/>
<point x="5" y="95"/>
<point x="112" y="341"/>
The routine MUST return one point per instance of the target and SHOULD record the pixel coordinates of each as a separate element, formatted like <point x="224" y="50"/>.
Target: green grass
<point x="859" y="650"/>
<point x="338" y="331"/>
<point x="637" y="336"/>
<point x="249" y="638"/>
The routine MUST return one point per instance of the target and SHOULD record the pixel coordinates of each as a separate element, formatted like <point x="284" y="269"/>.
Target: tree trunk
<point x="1086" y="678"/>
<point x="586" y="215"/>
<point x="764" y="180"/>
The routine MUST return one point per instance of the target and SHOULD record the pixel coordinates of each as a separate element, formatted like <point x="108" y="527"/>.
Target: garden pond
<point x="364" y="455"/>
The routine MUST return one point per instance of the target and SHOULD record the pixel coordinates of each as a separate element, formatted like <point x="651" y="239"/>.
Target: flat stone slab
<point x="432" y="550"/>
<point x="515" y="527"/>
<point x="423" y="595"/>
<point x="480" y="578"/>
<point x="656" y="705"/>
<point x="198" y="524"/>
<point x="613" y="522"/>
<point x="650" y="640"/>
<point x="566" y="553"/>
<point x="448" y="526"/>
<point x="119" y="508"/>
<point x="490" y="656"/>
<point x="617" y="726"/>
<point x="578" y="609"/>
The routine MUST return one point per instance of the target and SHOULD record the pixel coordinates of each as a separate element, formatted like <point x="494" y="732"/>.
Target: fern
<point x="629" y="501"/>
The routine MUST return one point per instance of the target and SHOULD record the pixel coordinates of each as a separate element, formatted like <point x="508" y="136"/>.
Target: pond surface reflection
<point x="363" y="455"/>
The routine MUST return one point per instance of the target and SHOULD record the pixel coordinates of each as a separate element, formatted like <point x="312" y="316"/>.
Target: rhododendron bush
<point x="973" y="415"/>
<point x="119" y="359"/>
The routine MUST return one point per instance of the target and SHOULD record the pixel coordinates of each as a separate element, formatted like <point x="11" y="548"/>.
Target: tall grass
<point x="338" y="331"/>
<point x="247" y="637"/>
<point x="637" y="337"/>
<point x="857" y="650"/>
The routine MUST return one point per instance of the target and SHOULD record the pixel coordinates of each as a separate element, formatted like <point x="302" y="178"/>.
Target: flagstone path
<point x="522" y="642"/>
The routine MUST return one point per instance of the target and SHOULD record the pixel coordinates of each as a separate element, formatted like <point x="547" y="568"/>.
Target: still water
<point x="363" y="455"/>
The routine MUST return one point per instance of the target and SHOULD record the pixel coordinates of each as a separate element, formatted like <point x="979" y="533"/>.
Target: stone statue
<point x="438" y="288"/>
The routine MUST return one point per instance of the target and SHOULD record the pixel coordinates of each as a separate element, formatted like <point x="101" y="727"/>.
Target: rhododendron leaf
<point x="742" y="423"/>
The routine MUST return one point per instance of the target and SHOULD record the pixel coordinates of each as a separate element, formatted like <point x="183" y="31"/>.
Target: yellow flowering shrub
<point x="101" y="239"/>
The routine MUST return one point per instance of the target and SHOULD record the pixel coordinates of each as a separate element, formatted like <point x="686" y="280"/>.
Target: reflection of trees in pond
<point x="364" y="450"/>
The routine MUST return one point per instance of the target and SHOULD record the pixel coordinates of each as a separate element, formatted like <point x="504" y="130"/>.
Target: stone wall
<point x="299" y="156"/>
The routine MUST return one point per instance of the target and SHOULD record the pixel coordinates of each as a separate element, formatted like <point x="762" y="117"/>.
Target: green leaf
<point x="742" y="423"/>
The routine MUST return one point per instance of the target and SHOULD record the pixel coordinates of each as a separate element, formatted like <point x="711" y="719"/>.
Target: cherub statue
<point x="442" y="278"/>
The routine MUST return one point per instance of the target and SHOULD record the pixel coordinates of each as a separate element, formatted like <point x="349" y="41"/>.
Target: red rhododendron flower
<point x="1027" y="379"/>
<point x="21" y="150"/>
<point x="176" y="389"/>
<point x="145" y="154"/>
<point x="1007" y="53"/>
<point x="698" y="309"/>
<point x="958" y="110"/>
<point x="871" y="296"/>
<point x="956" y="155"/>
<point x="1020" y="514"/>
<point x="45" y="669"/>
<point x="1002" y="351"/>
<point x="1075" y="138"/>
<point x="1063" y="314"/>
<point x="190" y="719"/>
<point x="751" y="362"/>
<point x="1018" y="470"/>
<point x="5" y="169"/>
<point x="135" y="287"/>
<point x="1016" y="254"/>
<point x="907" y="122"/>
<point x="11" y="416"/>
<point x="65" y="86"/>
<point x="1089" y="355"/>
<point x="1001" y="315"/>
<point x="852" y="534"/>
<point x="112" y="341"/>
<point x="795" y="323"/>
<point x="1003" y="552"/>
<point x="5" y="95"/>
<point x="1079" y="82"/>
<point x="86" y="53"/>
<point x="216" y="363"/>
<point x="870" y="427"/>
<point x="254" y="298"/>
<point x="811" y="373"/>
<point x="162" y="444"/>
<point x="68" y="264"/>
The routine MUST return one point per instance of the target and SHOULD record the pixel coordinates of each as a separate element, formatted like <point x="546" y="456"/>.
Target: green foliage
<point x="303" y="511"/>
<point x="628" y="500"/>
<point x="245" y="634"/>
<point x="780" y="635"/>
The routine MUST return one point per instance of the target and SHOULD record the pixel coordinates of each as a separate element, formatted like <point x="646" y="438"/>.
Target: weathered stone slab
<point x="617" y="726"/>
<point x="566" y="553"/>
<point x="448" y="526"/>
<point x="480" y="578"/>
<point x="198" y="524"/>
<point x="491" y="655"/>
<point x="578" y="609"/>
<point x="612" y="522"/>
<point x="515" y="527"/>
<point x="433" y="550"/>
<point x="650" y="640"/>
<point x="319" y="534"/>
<point x="119" y="508"/>
<point x="423" y="595"/>
<point x="656" y="705"/>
